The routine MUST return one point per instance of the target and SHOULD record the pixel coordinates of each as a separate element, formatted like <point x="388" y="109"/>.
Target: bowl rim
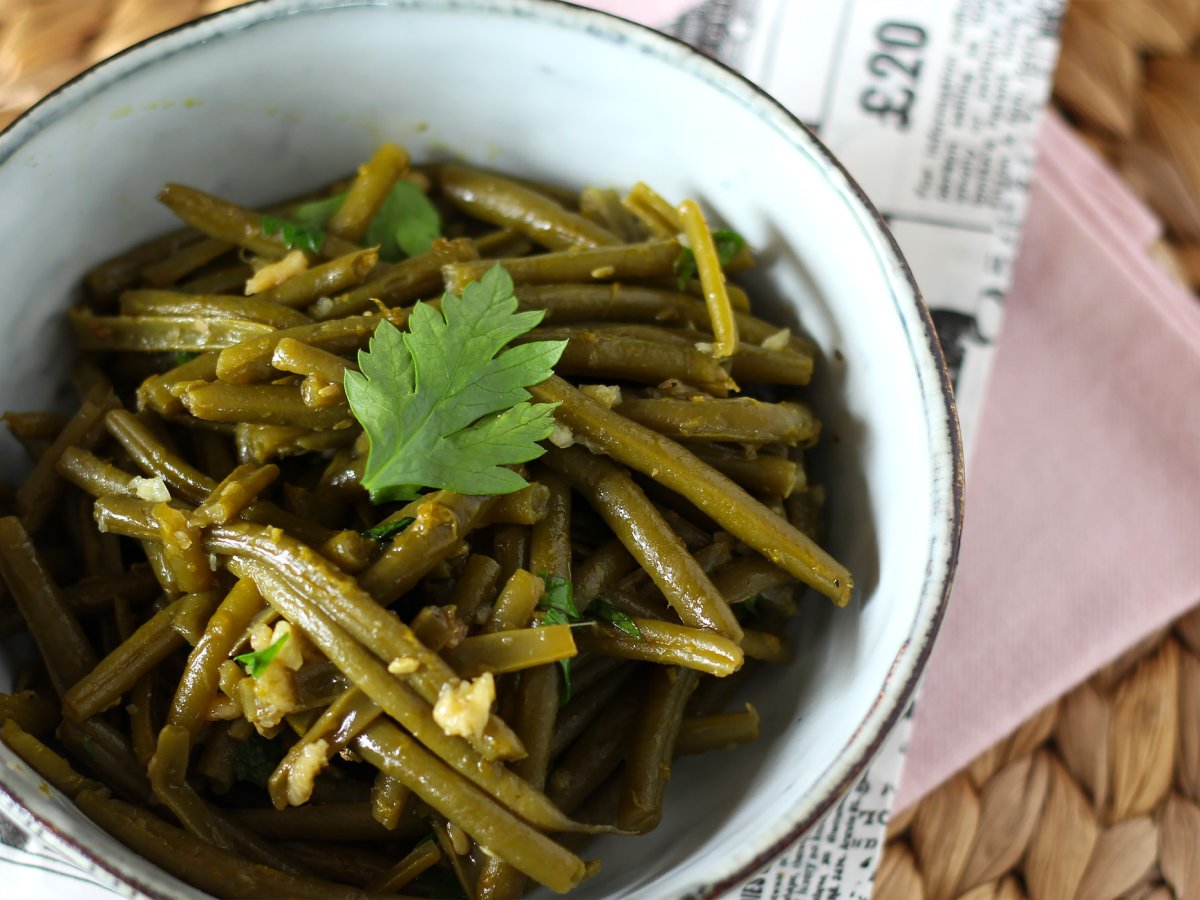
<point x="891" y="702"/>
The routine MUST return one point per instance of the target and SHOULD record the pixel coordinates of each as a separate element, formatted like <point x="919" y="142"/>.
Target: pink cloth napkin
<point x="1083" y="496"/>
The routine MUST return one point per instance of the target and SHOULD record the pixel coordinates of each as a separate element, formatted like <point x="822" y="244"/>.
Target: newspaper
<point x="933" y="106"/>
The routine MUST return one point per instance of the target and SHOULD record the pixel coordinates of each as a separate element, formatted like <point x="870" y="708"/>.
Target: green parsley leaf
<point x="316" y="214"/>
<point x="293" y="235"/>
<point x="558" y="601"/>
<point x="388" y="530"/>
<point x="606" y="612"/>
<point x="407" y="223"/>
<point x="559" y="597"/>
<point x="728" y="244"/>
<point x="255" y="758"/>
<point x="257" y="662"/>
<point x="441" y="409"/>
<point x="179" y="357"/>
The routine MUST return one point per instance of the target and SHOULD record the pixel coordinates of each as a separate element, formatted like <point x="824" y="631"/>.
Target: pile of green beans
<point x="203" y="503"/>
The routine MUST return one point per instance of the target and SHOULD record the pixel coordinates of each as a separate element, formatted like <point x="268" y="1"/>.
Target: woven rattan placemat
<point x="1098" y="796"/>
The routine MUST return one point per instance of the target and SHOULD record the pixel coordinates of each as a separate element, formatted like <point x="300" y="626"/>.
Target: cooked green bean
<point x="156" y="334"/>
<point x="767" y="647"/>
<point x="774" y="476"/>
<point x="45" y="761"/>
<point x="603" y="206"/>
<point x="476" y="586"/>
<point x="389" y="798"/>
<point x="32" y="712"/>
<point x="368" y="191"/>
<point x="742" y="420"/>
<point x="262" y="404"/>
<point x="326" y="821"/>
<point x="112" y="276"/>
<point x="94" y="475"/>
<point x="602" y="570"/>
<point x="514" y="607"/>
<point x="67" y="653"/>
<point x="648" y="260"/>
<point x="594" y="756"/>
<point x="198" y="686"/>
<point x="702" y="734"/>
<point x="712" y="279"/>
<point x="527" y="506"/>
<point x="647" y="536"/>
<point x="157" y="394"/>
<point x="182" y="550"/>
<point x="647" y="452"/>
<point x="336" y="727"/>
<point x="236" y="491"/>
<point x="507" y="204"/>
<point x="668" y="644"/>
<point x="168" y="768"/>
<point x="422" y="857"/>
<point x="747" y="577"/>
<point x="303" y="359"/>
<point x="143" y="717"/>
<point x="605" y="354"/>
<point x="207" y="867"/>
<point x="104" y="750"/>
<point x="652" y="746"/>
<point x="229" y="222"/>
<point x="184" y="261"/>
<point x="259" y="444"/>
<point x="225" y="280"/>
<point x="34" y="426"/>
<point x="397" y="283"/>
<point x="511" y="651"/>
<point x="492" y="825"/>
<point x="570" y="302"/>
<point x="41" y="488"/>
<point x="154" y="458"/>
<point x="104" y="685"/>
<point x="251" y="360"/>
<point x="438" y="627"/>
<point x="442" y="520"/>
<point x="585" y="705"/>
<point x="652" y="210"/>
<point x="326" y="280"/>
<point x="205" y="307"/>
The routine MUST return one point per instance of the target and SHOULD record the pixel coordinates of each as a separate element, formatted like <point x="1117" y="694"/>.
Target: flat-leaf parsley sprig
<point x="442" y="406"/>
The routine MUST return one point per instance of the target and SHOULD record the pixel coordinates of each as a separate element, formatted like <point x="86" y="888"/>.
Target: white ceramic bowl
<point x="264" y="99"/>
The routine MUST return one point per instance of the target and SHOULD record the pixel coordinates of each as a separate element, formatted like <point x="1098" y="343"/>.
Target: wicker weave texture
<point x="1096" y="797"/>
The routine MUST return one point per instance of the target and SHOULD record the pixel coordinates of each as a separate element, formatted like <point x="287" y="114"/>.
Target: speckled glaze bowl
<point x="259" y="101"/>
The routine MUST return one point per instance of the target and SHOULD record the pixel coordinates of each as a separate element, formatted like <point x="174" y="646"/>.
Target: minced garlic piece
<point x="561" y="436"/>
<point x="607" y="395"/>
<point x="276" y="273"/>
<point x="462" y="709"/>
<point x="271" y="695"/>
<point x="154" y="489"/>
<point x="404" y="665"/>
<point x="778" y="341"/>
<point x="289" y="655"/>
<point x="304" y="771"/>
